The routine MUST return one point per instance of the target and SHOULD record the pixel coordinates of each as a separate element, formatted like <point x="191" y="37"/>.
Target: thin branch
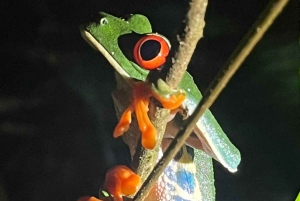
<point x="247" y="44"/>
<point x="193" y="32"/>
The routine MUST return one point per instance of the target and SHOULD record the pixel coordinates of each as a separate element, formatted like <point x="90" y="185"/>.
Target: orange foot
<point x="142" y="91"/>
<point x="119" y="181"/>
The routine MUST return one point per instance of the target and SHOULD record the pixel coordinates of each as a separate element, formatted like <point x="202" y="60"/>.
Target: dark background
<point x="57" y="115"/>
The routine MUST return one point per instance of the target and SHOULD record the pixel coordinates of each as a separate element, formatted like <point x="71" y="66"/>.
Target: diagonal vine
<point x="255" y="33"/>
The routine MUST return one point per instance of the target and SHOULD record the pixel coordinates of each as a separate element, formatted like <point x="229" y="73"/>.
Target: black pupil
<point x="150" y="49"/>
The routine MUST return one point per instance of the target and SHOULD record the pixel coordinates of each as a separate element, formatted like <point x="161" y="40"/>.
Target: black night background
<point x="57" y="115"/>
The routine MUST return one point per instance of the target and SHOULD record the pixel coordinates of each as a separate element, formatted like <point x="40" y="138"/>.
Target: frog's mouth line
<point x="97" y="46"/>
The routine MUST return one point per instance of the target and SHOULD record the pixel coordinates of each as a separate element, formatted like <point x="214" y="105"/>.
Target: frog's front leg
<point x="124" y="122"/>
<point x="142" y="91"/>
<point x="168" y="97"/>
<point x="141" y="94"/>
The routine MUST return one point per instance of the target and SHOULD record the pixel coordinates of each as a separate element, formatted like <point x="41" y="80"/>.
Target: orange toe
<point x="141" y="107"/>
<point x="121" y="181"/>
<point x="131" y="184"/>
<point x="173" y="101"/>
<point x="124" y="122"/>
<point x="149" y="137"/>
<point x="149" y="133"/>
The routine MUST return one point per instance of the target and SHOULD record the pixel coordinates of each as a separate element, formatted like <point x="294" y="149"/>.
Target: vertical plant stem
<point x="192" y="33"/>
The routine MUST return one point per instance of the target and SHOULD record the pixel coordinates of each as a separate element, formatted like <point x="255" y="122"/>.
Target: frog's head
<point x="108" y="26"/>
<point x="103" y="33"/>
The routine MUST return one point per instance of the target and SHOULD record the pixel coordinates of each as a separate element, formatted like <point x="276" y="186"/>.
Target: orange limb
<point x="140" y="110"/>
<point x="142" y="92"/>
<point x="172" y="102"/>
<point x="149" y="134"/>
<point x="121" y="181"/>
<point x="124" y="122"/>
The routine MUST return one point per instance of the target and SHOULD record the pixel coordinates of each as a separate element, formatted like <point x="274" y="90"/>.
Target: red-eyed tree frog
<point x="103" y="35"/>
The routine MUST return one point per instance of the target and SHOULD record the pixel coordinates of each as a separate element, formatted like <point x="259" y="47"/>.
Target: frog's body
<point x="178" y="182"/>
<point x="197" y="172"/>
<point x="103" y="36"/>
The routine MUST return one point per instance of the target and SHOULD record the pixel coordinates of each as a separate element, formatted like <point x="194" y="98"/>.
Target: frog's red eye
<point x="150" y="51"/>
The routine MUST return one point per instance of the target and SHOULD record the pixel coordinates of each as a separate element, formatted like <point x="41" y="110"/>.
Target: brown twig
<point x="247" y="44"/>
<point x="193" y="32"/>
